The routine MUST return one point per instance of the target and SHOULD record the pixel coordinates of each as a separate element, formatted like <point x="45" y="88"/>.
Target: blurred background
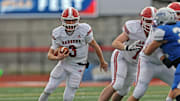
<point x="26" y="25"/>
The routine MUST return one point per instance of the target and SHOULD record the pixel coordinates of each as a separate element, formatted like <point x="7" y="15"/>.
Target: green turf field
<point x="154" y="93"/>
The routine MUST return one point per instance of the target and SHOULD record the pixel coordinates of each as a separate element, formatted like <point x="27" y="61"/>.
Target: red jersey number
<point x="135" y="56"/>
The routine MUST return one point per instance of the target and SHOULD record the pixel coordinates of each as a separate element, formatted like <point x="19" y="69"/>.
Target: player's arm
<point x="103" y="63"/>
<point x="118" y="42"/>
<point x="166" y="61"/>
<point x="158" y="40"/>
<point x="52" y="56"/>
<point x="54" y="49"/>
<point x="163" y="58"/>
<point x="152" y="47"/>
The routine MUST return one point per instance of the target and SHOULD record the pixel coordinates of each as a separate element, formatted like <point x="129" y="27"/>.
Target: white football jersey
<point x="155" y="56"/>
<point x="76" y="42"/>
<point x="135" y="32"/>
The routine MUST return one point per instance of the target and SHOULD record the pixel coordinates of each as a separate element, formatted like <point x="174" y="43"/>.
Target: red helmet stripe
<point x="65" y="13"/>
<point x="75" y="14"/>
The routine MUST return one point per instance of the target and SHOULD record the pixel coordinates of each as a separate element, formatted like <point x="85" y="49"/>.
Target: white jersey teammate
<point x="150" y="67"/>
<point x="77" y="37"/>
<point x="124" y="58"/>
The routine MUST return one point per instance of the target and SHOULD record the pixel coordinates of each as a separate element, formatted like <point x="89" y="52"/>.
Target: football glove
<point x="134" y="46"/>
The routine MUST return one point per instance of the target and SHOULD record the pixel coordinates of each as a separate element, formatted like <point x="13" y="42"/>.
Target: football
<point x="64" y="50"/>
<point x="61" y="49"/>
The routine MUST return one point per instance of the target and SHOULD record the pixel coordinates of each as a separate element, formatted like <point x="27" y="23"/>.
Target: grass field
<point x="154" y="93"/>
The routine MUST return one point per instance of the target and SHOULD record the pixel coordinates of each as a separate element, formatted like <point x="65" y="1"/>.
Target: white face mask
<point x="70" y="25"/>
<point x="146" y="24"/>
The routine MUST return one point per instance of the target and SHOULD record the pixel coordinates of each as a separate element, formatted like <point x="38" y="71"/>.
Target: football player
<point x="124" y="58"/>
<point x="150" y="67"/>
<point x="77" y="37"/>
<point x="166" y="36"/>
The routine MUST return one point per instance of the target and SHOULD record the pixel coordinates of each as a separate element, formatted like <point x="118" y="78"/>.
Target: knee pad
<point x="123" y="91"/>
<point x="140" y="89"/>
<point x="118" y="84"/>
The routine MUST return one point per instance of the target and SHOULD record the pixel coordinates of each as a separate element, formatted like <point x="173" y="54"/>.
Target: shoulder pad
<point x="56" y="31"/>
<point x="132" y="26"/>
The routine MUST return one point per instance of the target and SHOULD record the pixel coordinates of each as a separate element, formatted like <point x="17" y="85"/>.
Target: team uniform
<point x="124" y="63"/>
<point x="172" y="47"/>
<point x="150" y="67"/>
<point x="76" y="37"/>
<point x="69" y="67"/>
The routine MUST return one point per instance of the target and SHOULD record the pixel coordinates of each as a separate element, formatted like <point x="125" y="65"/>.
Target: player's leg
<point x="118" y="71"/>
<point x="166" y="75"/>
<point x="117" y="97"/>
<point x="106" y="93"/>
<point x="56" y="77"/>
<point x="69" y="93"/>
<point x="176" y="83"/>
<point x="130" y="78"/>
<point x="73" y="81"/>
<point x="170" y="96"/>
<point x="50" y="87"/>
<point x="109" y="90"/>
<point x="139" y="91"/>
<point x="176" y="93"/>
<point x="144" y="76"/>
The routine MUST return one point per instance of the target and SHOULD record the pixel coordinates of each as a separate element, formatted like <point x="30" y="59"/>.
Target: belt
<point x="84" y="64"/>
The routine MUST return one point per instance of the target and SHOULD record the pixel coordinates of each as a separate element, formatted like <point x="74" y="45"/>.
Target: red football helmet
<point x="70" y="18"/>
<point x="176" y="7"/>
<point x="147" y="15"/>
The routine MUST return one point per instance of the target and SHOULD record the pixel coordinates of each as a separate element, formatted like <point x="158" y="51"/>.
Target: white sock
<point x="169" y="99"/>
<point x="44" y="97"/>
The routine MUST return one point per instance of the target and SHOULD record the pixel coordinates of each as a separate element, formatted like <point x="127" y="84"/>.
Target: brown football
<point x="64" y="50"/>
<point x="61" y="49"/>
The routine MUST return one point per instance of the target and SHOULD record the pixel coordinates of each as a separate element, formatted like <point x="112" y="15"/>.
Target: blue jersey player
<point x="167" y="37"/>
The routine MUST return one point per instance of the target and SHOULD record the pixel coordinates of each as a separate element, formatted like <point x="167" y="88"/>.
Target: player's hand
<point x="104" y="66"/>
<point x="134" y="46"/>
<point x="61" y="56"/>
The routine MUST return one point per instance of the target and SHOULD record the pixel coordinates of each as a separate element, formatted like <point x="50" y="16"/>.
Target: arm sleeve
<point x="158" y="34"/>
<point x="89" y="35"/>
<point x="126" y="28"/>
<point x="54" y="45"/>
